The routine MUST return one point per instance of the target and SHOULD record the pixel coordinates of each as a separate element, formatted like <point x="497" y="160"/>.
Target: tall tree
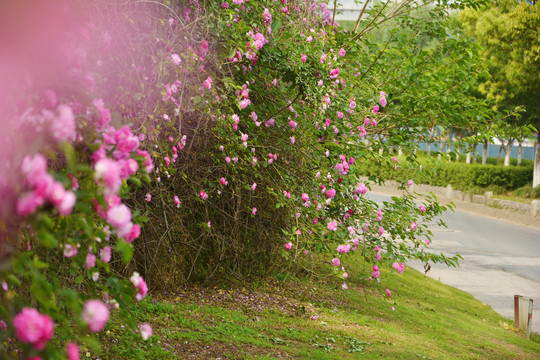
<point x="508" y="30"/>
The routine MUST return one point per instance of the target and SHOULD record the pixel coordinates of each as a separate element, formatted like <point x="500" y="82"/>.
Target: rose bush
<point x="231" y="132"/>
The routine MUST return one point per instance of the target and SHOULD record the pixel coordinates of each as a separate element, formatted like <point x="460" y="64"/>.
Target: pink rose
<point x="33" y="327"/>
<point x="73" y="351"/>
<point x="146" y="331"/>
<point x="95" y="314"/>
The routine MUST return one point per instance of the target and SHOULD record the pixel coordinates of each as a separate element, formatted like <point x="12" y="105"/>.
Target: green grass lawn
<point x="299" y="318"/>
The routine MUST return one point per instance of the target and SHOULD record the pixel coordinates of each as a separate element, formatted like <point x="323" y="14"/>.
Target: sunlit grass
<point x="430" y="321"/>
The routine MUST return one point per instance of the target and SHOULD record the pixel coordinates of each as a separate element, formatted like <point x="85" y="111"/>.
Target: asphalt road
<point x="500" y="259"/>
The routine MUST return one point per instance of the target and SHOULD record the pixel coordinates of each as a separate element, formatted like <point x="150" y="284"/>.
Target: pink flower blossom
<point x="332" y="225"/>
<point x="119" y="215"/>
<point x="336" y="262"/>
<point x="381" y="231"/>
<point x="383" y="102"/>
<point x="176" y="59"/>
<point x="399" y="267"/>
<point x="288" y="245"/>
<point x="203" y="195"/>
<point x="345" y="275"/>
<point x="145" y="330"/>
<point x="34" y="168"/>
<point x="134" y="233"/>
<point x="376" y="273"/>
<point x="388" y="292"/>
<point x="108" y="172"/>
<point x="410" y="182"/>
<point x="342" y="52"/>
<point x="177" y="201"/>
<point x="379" y="215"/>
<point x="33" y="328"/>
<point x="267" y="17"/>
<point x="72" y="351"/>
<point x="344" y="286"/>
<point x="70" y="250"/>
<point x="375" y="109"/>
<point x="269" y="123"/>
<point x="148" y="164"/>
<point x="95" y="314"/>
<point x="323" y="58"/>
<point x="223" y="181"/>
<point x="140" y="285"/>
<point x="66" y="205"/>
<point x="427" y="242"/>
<point x="343" y="249"/>
<point x="207" y="84"/>
<point x="334" y="73"/>
<point x="254" y="211"/>
<point x="331" y="193"/>
<point x="361" y="189"/>
<point x="422" y="208"/>
<point x="28" y="203"/>
<point x="148" y="197"/>
<point x="62" y="127"/>
<point x="367" y="121"/>
<point x="304" y="57"/>
<point x="105" y="254"/>
<point x="244" y="103"/>
<point x="90" y="261"/>
<point x="413" y="226"/>
<point x="293" y="139"/>
<point x="253" y="187"/>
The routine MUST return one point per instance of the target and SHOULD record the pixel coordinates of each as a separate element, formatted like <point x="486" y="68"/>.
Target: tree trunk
<point x="474" y="155"/>
<point x="507" y="152"/>
<point x="400" y="151"/>
<point x="484" y="153"/>
<point x="468" y="158"/>
<point x="500" y="152"/>
<point x="536" y="172"/>
<point x="519" y="153"/>
<point x="428" y="149"/>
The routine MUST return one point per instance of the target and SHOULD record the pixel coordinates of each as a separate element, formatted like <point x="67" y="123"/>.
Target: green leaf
<point x="69" y="153"/>
<point x="276" y="25"/>
<point x="125" y="249"/>
<point x="48" y="239"/>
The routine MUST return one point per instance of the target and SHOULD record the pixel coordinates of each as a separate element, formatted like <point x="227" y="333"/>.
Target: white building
<point x="350" y="9"/>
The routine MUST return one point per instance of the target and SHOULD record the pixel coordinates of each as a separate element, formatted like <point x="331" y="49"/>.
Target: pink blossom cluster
<point x="399" y="267"/>
<point x="43" y="188"/>
<point x="377" y="253"/>
<point x="383" y="99"/>
<point x="110" y="173"/>
<point x="267" y="17"/>
<point x="140" y="285"/>
<point x="243" y="97"/>
<point x="96" y="315"/>
<point x="33" y="328"/>
<point x="361" y="189"/>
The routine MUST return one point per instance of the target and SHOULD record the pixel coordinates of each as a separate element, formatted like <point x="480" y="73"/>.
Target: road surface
<point x="500" y="259"/>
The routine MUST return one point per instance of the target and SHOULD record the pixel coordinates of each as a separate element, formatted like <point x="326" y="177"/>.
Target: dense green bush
<point x="460" y="175"/>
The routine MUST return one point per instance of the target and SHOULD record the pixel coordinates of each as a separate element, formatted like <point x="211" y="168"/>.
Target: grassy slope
<point x="430" y="321"/>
